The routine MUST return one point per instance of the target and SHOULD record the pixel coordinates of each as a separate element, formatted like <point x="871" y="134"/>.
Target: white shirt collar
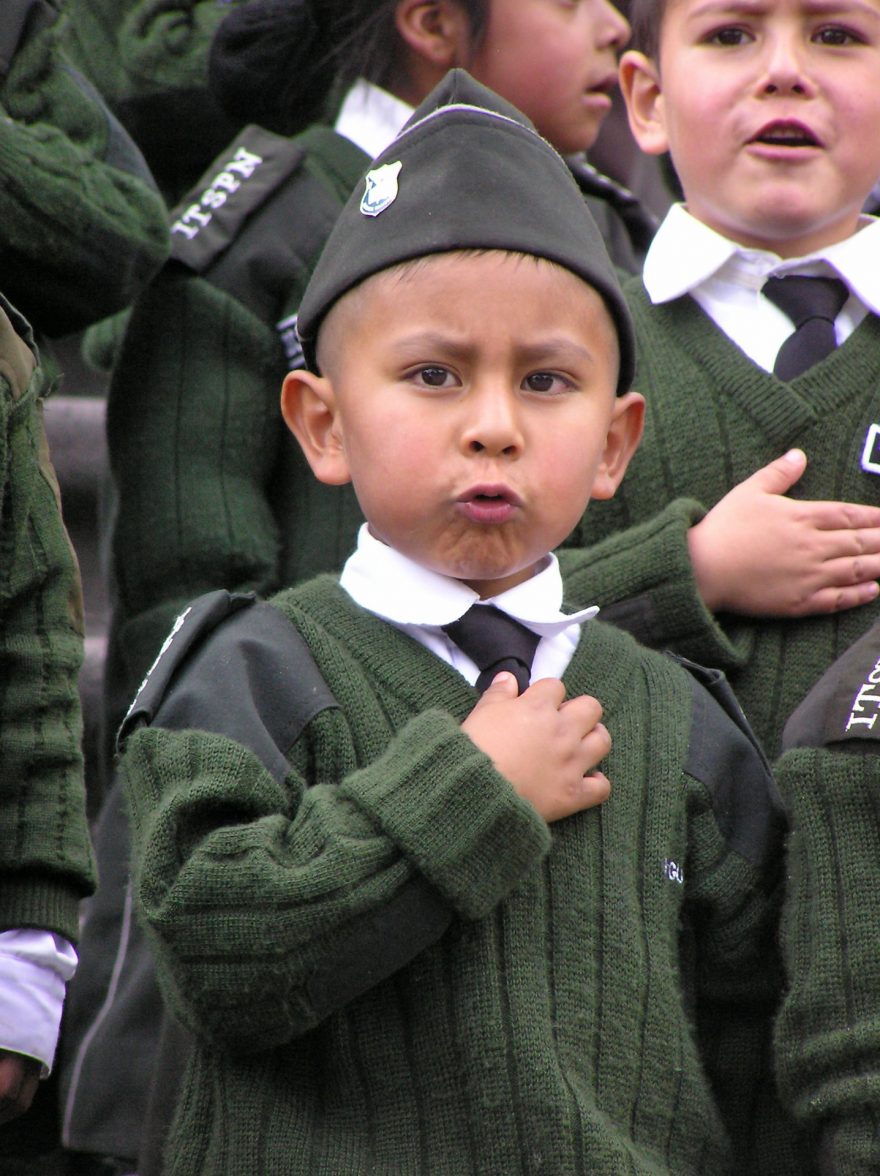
<point x="371" y="117"/>
<point x="394" y="587"/>
<point x="685" y="254"/>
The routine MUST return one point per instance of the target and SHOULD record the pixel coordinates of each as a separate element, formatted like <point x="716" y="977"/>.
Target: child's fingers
<point x="597" y="789"/>
<point x="780" y="474"/>
<point x="583" y="710"/>
<point x="836" y="599"/>
<point x="549" y="690"/>
<point x="854" y="520"/>
<point x="849" y="570"/>
<point x="596" y="745"/>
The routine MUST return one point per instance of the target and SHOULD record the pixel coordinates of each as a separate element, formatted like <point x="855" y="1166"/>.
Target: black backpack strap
<point x="725" y="755"/>
<point x="238" y="667"/>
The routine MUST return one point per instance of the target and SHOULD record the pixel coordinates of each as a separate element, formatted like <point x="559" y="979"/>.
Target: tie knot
<point x="494" y="642"/>
<point x="803" y="298"/>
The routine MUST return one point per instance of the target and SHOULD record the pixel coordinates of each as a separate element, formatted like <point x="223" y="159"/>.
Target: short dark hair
<point x="646" y="18"/>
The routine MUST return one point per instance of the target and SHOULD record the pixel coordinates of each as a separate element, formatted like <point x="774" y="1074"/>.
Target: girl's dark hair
<point x="646" y="17"/>
<point x="282" y="62"/>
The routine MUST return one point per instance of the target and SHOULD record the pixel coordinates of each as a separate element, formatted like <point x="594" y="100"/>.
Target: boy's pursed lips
<point x="787" y="133"/>
<point x="489" y="503"/>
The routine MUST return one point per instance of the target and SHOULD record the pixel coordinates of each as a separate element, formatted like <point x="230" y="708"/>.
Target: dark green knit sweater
<point x="83" y="226"/>
<point x="598" y="982"/>
<point x="713" y="418"/>
<point x="45" y="857"/>
<point x="828" y="1033"/>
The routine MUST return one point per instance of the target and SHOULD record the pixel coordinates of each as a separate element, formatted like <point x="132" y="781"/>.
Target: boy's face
<point x="770" y="109"/>
<point x="471" y="401"/>
<point x="556" y="60"/>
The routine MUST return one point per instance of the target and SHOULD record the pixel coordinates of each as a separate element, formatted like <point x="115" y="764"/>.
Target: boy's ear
<point x="640" y="85"/>
<point x="436" y="31"/>
<point x="309" y="408"/>
<point x="624" y="435"/>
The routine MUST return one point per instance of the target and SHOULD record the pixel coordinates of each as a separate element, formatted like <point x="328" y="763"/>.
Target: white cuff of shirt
<point x="35" y="967"/>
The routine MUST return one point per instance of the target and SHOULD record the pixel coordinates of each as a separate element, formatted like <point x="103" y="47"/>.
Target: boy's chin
<point x="493" y="585"/>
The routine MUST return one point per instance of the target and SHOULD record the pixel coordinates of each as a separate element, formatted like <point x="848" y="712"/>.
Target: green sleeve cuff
<point x="47" y="903"/>
<point x="438" y="797"/>
<point x="643" y="579"/>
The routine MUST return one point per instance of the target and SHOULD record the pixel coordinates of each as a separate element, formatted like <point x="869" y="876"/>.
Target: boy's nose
<point x="613" y="27"/>
<point x="785" y="69"/>
<point x="492" y="426"/>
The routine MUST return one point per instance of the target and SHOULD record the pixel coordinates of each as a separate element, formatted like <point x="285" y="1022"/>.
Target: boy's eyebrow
<point x="552" y="348"/>
<point x="812" y="7"/>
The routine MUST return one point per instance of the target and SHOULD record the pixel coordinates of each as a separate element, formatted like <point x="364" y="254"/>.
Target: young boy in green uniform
<point x="213" y="491"/>
<point x="420" y="943"/>
<point x="768" y="115"/>
<point x="769" y="112"/>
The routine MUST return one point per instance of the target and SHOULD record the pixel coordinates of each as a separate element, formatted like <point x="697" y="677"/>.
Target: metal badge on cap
<point x="381" y="188"/>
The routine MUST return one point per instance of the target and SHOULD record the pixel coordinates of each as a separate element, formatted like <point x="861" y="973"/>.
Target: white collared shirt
<point x="370" y="117"/>
<point x="687" y="257"/>
<point x="420" y="602"/>
<point x="34" y="969"/>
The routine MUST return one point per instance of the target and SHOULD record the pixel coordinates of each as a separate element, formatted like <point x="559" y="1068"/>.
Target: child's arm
<point x="258" y="893"/>
<point x="760" y="553"/>
<point x="193" y="432"/>
<point x="732" y="879"/>
<point x="757" y="552"/>
<point x="828" y="1033"/>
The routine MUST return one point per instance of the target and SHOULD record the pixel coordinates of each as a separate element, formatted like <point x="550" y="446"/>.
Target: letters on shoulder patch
<point x="212" y="214"/>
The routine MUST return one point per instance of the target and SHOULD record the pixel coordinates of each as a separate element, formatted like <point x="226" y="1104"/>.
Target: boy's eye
<point x="546" y="382"/>
<point x="836" y="36"/>
<point x="728" y="37"/>
<point x="432" y="377"/>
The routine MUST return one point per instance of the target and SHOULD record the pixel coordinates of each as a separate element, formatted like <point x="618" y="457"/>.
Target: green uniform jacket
<point x="599" y="1003"/>
<point x="213" y="490"/>
<point x="45" y="856"/>
<point x="83" y="227"/>
<point x="149" y="60"/>
<point x="713" y="419"/>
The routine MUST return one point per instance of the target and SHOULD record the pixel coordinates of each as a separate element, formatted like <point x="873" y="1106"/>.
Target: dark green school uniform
<point x="45" y="855"/>
<point x="597" y="998"/>
<point x="83" y="227"/>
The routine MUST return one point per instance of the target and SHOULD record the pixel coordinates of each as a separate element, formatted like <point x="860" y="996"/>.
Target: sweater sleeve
<point x="193" y="429"/>
<point x="828" y="1032"/>
<point x="251" y="889"/>
<point x="83" y="225"/>
<point x="45" y="855"/>
<point x="734" y="881"/>
<point x="642" y="577"/>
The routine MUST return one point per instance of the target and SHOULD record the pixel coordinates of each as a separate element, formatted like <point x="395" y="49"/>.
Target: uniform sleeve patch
<point x="211" y="215"/>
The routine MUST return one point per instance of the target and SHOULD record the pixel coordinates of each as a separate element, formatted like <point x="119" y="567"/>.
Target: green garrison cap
<point x="468" y="171"/>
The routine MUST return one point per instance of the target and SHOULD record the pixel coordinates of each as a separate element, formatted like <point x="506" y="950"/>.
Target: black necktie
<point x="494" y="642"/>
<point x="812" y="304"/>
